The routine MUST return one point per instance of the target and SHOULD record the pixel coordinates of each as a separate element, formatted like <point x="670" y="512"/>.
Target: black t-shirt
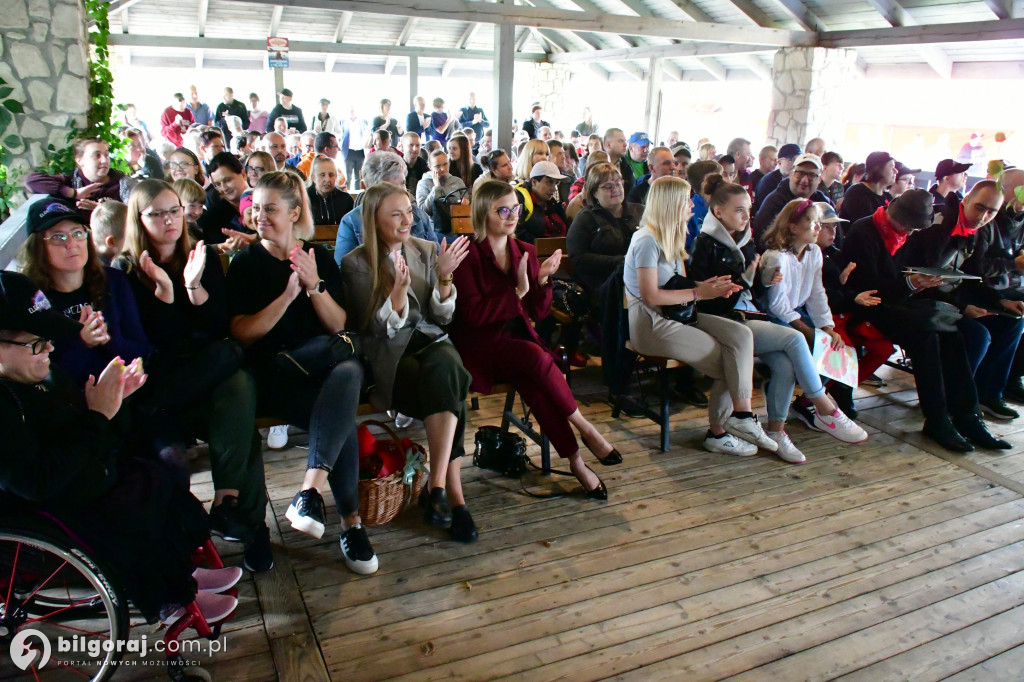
<point x="256" y="278"/>
<point x="219" y="213"/>
<point x="391" y="127"/>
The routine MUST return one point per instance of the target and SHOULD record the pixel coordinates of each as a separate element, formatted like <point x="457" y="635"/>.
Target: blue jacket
<point x="700" y="209"/>
<point x="350" y="231"/>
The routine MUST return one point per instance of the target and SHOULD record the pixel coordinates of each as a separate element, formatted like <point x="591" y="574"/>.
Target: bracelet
<point x="198" y="286"/>
<point x="446" y="282"/>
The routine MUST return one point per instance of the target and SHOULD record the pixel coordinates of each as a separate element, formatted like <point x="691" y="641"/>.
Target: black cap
<point x="23" y="307"/>
<point x="950" y="167"/>
<point x="46" y="213"/>
<point x="902" y="169"/>
<point x="913" y="209"/>
<point x="876" y="160"/>
<point x="789" y="151"/>
<point x="286" y="92"/>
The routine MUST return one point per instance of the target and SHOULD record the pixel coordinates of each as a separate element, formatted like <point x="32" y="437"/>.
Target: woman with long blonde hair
<point x="532" y="153"/>
<point x="720" y="348"/>
<point x="284" y="296"/>
<point x="204" y="393"/>
<point x="400" y="296"/>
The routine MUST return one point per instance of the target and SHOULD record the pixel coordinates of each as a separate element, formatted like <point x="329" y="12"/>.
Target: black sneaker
<point x="258" y="556"/>
<point x="463" y="528"/>
<point x="875" y="381"/>
<point x="436" y="510"/>
<point x="997" y="409"/>
<point x="1014" y="391"/>
<point x="805" y="412"/>
<point x="306" y="513"/>
<point x="355" y="547"/>
<point x="227" y="522"/>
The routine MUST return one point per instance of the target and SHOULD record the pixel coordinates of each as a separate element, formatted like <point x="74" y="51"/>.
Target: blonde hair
<point x="107" y="220"/>
<point x="289" y="186"/>
<point x="483" y="198"/>
<point x="779" y="236"/>
<point x="706" y="152"/>
<point x="524" y="164"/>
<point x="668" y="207"/>
<point x="375" y="250"/>
<point x="136" y="239"/>
<point x="189" y="191"/>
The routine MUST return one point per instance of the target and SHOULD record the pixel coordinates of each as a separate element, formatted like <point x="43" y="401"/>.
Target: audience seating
<point x="660" y="366"/>
<point x="325" y="235"/>
<point x="462" y="223"/>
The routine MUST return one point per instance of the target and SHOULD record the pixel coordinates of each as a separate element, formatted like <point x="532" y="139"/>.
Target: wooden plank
<point x="297" y="657"/>
<point x="1006" y="666"/>
<point x="1006" y="29"/>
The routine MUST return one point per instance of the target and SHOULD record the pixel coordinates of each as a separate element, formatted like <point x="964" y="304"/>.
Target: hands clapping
<point x="450" y="256"/>
<point x="716" y="287"/>
<point x="196" y="265"/>
<point x="304" y="265"/>
<point x="94" y="327"/>
<point x="116" y="382"/>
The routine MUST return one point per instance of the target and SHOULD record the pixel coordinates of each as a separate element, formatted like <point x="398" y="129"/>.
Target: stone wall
<point x="550" y="88"/>
<point x="806" y="83"/>
<point x="43" y="57"/>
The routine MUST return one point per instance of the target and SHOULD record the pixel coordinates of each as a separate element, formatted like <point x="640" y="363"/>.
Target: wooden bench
<point x="661" y="367"/>
<point x="462" y="221"/>
<point x="325" y="235"/>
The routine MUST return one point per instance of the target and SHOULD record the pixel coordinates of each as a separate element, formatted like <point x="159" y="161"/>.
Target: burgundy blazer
<point x="486" y="303"/>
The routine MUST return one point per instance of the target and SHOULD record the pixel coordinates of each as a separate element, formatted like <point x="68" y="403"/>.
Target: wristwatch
<point x="320" y="288"/>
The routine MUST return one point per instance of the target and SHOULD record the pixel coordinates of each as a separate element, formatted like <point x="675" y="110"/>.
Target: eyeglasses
<point x="163" y="215"/>
<point x="806" y="174"/>
<point x="37" y="345"/>
<point x="504" y="212"/>
<point x="255" y="169"/>
<point x="62" y="238"/>
<point x="180" y="165"/>
<point x="610" y="186"/>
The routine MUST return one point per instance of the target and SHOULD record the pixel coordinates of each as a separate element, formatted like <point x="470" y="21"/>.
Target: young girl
<point x="193" y="200"/>
<point x="400" y="294"/>
<point x="722" y="349"/>
<point x="725" y="248"/>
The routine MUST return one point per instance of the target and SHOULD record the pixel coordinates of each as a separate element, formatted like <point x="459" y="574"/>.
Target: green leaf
<point x="5" y="118"/>
<point x="5" y="91"/>
<point x="12" y="141"/>
<point x="14" y="106"/>
<point x="1019" y="193"/>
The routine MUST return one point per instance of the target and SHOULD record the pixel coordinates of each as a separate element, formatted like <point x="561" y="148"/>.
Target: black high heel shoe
<point x="611" y="459"/>
<point x="598" y="493"/>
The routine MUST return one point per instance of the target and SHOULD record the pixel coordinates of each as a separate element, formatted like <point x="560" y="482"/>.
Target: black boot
<point x="972" y="427"/>
<point x="843" y="397"/>
<point x="1014" y="391"/>
<point x="945" y="434"/>
<point x="436" y="510"/>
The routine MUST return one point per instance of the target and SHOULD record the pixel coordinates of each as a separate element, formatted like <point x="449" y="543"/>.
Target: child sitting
<point x="107" y="226"/>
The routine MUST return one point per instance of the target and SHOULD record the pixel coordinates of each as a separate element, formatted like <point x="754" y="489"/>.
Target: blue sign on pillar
<point x="277" y="52"/>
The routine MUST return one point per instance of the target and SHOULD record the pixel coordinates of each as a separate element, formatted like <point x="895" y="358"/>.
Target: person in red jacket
<point x="175" y="120"/>
<point x="502" y="289"/>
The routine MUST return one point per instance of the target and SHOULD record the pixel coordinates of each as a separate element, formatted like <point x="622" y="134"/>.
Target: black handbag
<point x="500" y="451"/>
<point x="569" y="298"/>
<point x="318" y="356"/>
<point x="684" y="313"/>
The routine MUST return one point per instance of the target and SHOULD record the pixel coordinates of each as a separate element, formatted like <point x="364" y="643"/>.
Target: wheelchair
<point x="50" y="588"/>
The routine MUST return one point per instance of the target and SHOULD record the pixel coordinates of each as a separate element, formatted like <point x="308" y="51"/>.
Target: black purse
<point x="500" y="451"/>
<point x="684" y="313"/>
<point x="318" y="356"/>
<point x="569" y="298"/>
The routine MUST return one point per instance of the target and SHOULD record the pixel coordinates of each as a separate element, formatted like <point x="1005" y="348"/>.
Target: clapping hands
<point x="450" y="256"/>
<point x="94" y="327"/>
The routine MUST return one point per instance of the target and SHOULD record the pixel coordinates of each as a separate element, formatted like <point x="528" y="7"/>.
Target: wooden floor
<point x="891" y="560"/>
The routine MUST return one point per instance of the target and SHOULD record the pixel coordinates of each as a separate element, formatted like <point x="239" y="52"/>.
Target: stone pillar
<point x="806" y="84"/>
<point x="43" y="57"/>
<point x="551" y="87"/>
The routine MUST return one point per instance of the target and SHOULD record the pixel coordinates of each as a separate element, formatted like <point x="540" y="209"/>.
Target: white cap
<point x="546" y="169"/>
<point x="809" y="158"/>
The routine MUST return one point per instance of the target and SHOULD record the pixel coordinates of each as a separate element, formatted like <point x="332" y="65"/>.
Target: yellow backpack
<point x="527" y="201"/>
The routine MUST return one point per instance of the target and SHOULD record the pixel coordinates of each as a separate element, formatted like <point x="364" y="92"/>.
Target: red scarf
<point x="962" y="229"/>
<point x="893" y="240"/>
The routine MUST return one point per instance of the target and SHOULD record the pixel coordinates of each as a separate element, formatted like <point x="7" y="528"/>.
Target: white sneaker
<point x="787" y="452"/>
<point x="729" y="444"/>
<point x="278" y="437"/>
<point x="750" y="431"/>
<point x="402" y="421"/>
<point x="840" y="427"/>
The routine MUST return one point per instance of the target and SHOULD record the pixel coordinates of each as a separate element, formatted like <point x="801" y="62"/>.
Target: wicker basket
<point x="381" y="499"/>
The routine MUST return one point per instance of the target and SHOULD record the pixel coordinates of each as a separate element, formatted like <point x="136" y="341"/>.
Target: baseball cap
<point x="901" y="169"/>
<point x="23" y="307"/>
<point x="546" y="169"/>
<point x="950" y="167"/>
<point x="286" y="92"/>
<point x="639" y="138"/>
<point x="682" y="148"/>
<point x="876" y="160"/>
<point x="789" y="151"/>
<point x="46" y="213"/>
<point x="913" y="209"/>
<point x="828" y="213"/>
<point x="809" y="158"/>
<point x="323" y="100"/>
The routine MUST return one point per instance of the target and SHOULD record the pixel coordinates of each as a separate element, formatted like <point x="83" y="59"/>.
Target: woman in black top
<point x="201" y="392"/>
<point x="327" y="203"/>
<point x="283" y="295"/>
<point x="462" y="164"/>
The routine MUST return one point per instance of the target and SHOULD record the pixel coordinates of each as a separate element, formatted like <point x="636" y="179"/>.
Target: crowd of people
<point x="731" y="263"/>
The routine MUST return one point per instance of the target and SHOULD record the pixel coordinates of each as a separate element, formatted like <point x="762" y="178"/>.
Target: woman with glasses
<point x="502" y="289"/>
<point x="61" y="259"/>
<point x="599" y="235"/>
<point x="256" y="164"/>
<point x="204" y="393"/>
<point x="93" y="178"/>
<point x="400" y="294"/>
<point x="183" y="163"/>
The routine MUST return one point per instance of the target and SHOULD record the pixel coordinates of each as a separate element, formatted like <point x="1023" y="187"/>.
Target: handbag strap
<point x="552" y="471"/>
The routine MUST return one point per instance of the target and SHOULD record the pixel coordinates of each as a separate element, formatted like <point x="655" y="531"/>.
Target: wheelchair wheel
<point x="52" y="593"/>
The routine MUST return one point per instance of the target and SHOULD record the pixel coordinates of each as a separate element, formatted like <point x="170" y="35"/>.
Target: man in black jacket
<point x="541" y="215"/>
<point x="284" y="109"/>
<point x="535" y="122"/>
<point x="991" y="325"/>
<point x="802" y="183"/>
<point x="945" y="384"/>
<point x="766" y="185"/>
<point x="230" y="107"/>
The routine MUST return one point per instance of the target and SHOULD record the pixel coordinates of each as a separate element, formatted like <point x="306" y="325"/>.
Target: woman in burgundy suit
<point x="502" y="287"/>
